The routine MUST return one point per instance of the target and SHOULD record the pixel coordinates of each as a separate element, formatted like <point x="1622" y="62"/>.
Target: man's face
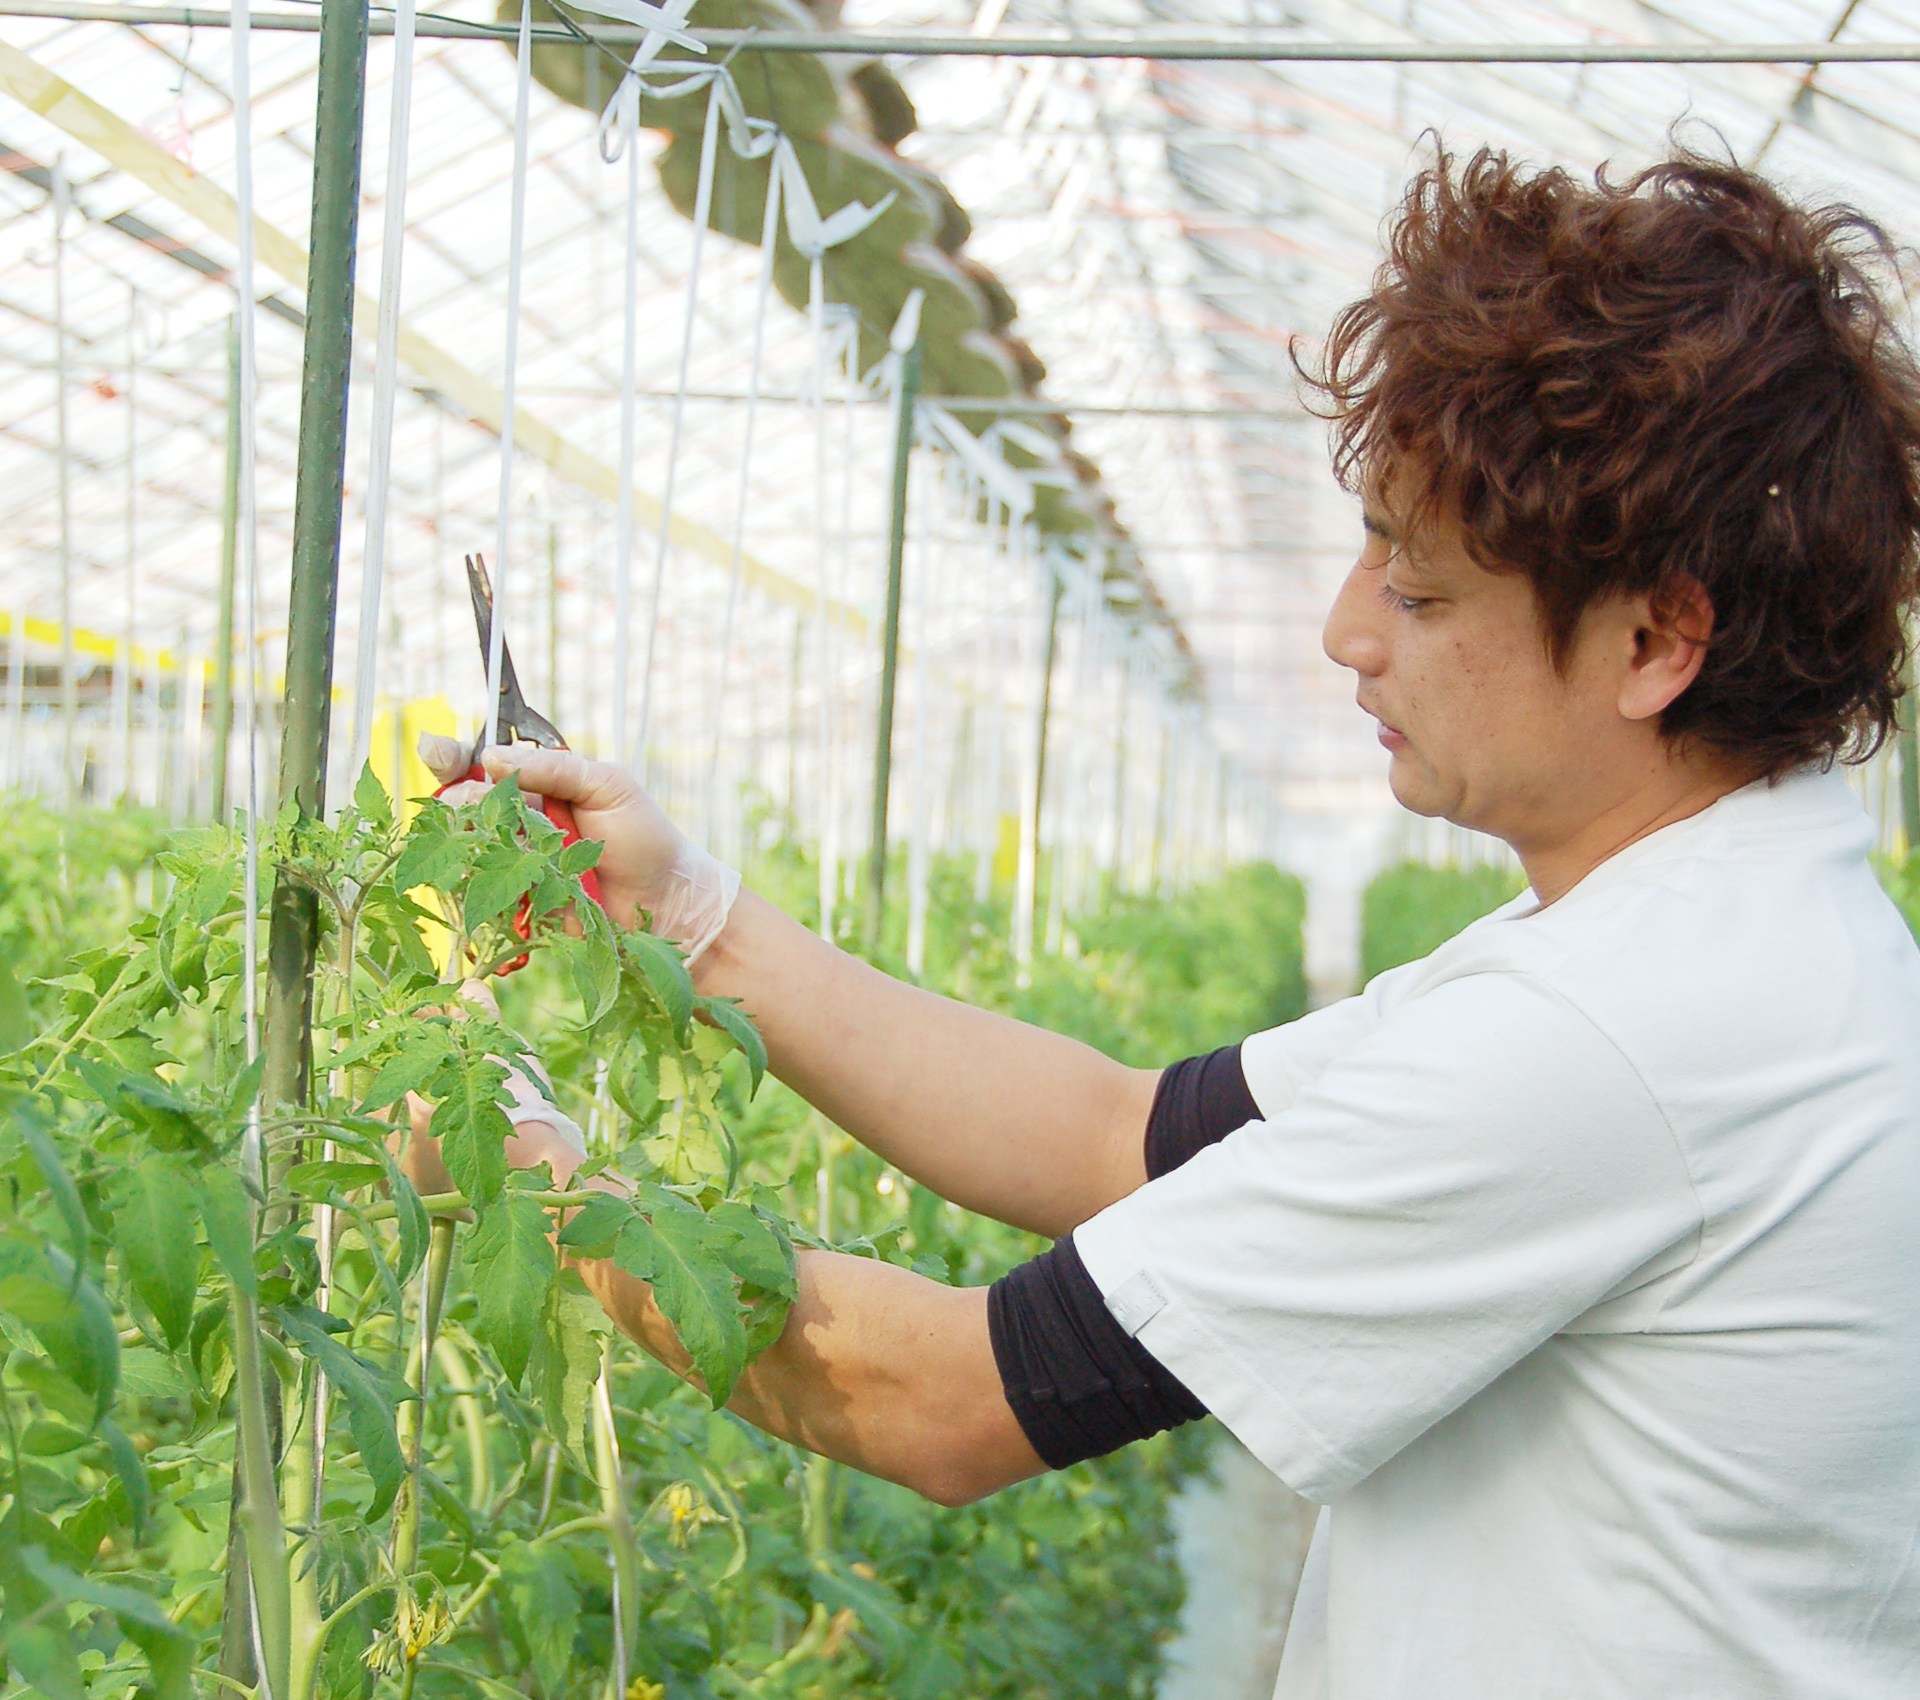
<point x="1453" y="663"/>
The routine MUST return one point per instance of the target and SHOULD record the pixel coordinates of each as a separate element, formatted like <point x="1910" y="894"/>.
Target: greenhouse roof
<point x="1167" y="229"/>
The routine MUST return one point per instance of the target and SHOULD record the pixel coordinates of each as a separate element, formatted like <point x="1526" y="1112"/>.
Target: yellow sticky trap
<point x="1006" y="855"/>
<point x="394" y="752"/>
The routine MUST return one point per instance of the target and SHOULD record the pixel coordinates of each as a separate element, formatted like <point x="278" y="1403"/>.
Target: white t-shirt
<point x="1577" y="1269"/>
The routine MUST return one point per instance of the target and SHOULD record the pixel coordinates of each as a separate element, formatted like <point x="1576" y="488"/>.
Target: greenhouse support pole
<point x="1030" y="846"/>
<point x="890" y="644"/>
<point x="229" y="543"/>
<point x="126" y="684"/>
<point x="63" y="473"/>
<point x="1908" y="743"/>
<point x="313" y="593"/>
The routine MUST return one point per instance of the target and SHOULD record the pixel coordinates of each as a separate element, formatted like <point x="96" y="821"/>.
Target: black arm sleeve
<point x="1200" y="1102"/>
<point x="1079" y="1384"/>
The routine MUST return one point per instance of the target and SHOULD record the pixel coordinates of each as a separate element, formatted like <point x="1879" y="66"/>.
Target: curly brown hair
<point x="1621" y="387"/>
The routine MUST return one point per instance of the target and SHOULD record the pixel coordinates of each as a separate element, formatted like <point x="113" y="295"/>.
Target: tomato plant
<point x="474" y="1488"/>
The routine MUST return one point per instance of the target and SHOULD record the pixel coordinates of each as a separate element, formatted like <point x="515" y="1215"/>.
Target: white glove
<point x="646" y="862"/>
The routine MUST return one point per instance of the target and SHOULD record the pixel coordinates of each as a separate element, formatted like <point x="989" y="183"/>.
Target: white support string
<point x="245" y="552"/>
<point x="63" y="489"/>
<point x="996" y="717"/>
<point x="627" y="100"/>
<point x="516" y="255"/>
<point x="123" y="685"/>
<point x="385" y="375"/>
<point x="921" y="594"/>
<point x="829" y="841"/>
<point x="843" y="566"/>
<point x="702" y="216"/>
<point x="1027" y="865"/>
<point x="769" y="242"/>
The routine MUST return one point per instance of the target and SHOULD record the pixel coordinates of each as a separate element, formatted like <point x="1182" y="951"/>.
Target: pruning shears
<point x="517" y="724"/>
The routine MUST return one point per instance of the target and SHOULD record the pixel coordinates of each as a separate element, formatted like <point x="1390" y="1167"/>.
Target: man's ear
<point x="1672" y="628"/>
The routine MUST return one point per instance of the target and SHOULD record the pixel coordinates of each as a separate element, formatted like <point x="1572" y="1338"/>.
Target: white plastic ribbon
<point x="811" y="234"/>
<point x="1007" y="485"/>
<point x="663" y="24"/>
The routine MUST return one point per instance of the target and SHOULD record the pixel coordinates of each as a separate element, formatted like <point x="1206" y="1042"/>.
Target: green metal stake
<point x="229" y="542"/>
<point x="294" y="927"/>
<point x="876" y="908"/>
<point x="293" y="924"/>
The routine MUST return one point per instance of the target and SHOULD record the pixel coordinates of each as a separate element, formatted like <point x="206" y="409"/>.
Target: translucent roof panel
<point x="1170" y="232"/>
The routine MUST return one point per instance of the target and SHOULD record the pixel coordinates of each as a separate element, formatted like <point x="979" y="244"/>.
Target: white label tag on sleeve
<point x="1136" y="1302"/>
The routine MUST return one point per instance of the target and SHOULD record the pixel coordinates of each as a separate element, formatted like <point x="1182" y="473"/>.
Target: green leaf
<point x="229" y="1223"/>
<point x="167" y="1645"/>
<point x="665" y="971"/>
<point x="423" y="1050"/>
<point x="159" y="1253"/>
<point x="502" y="878"/>
<point x="132" y="1471"/>
<point x="370" y="798"/>
<point x="566" y="1360"/>
<point x="52" y="1296"/>
<point x="372" y="1395"/>
<point x="596" y="1225"/>
<point x="56" y="1391"/>
<point x="434" y="856"/>
<point x="580" y="855"/>
<point x="44" y="1438"/>
<point x="595" y="967"/>
<point x="16" y="1019"/>
<point x="28" y="1118"/>
<point x="244" y="1088"/>
<point x="43" y="1654"/>
<point x="732" y="1020"/>
<point x="513" y="1266"/>
<point x="680" y="1252"/>
<point x="760" y="1252"/>
<point x="545" y="1603"/>
<point x="211" y="892"/>
<point x="471" y="1126"/>
<point x="149" y="1104"/>
<point x="321" y="1178"/>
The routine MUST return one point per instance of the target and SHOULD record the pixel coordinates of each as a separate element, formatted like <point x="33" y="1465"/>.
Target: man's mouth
<point x="1391" y="737"/>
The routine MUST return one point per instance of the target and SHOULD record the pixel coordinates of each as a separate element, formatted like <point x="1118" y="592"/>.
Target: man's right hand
<point x="646" y="863"/>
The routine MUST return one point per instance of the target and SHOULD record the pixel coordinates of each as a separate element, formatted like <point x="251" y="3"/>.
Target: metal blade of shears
<point x="517" y="720"/>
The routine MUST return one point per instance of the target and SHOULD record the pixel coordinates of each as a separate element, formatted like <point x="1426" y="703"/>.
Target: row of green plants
<point x="1411" y="909"/>
<point x="449" y="1476"/>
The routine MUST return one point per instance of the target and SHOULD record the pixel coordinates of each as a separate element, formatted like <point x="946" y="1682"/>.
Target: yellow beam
<point x="88" y="643"/>
<point x="83" y="118"/>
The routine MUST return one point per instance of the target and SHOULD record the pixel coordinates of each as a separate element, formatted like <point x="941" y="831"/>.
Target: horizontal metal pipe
<point x="1249" y="48"/>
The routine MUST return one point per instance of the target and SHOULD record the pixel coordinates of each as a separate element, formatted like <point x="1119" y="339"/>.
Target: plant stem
<point x="299" y="1475"/>
<point x="472" y="1418"/>
<point x="625" y="1550"/>
<point x="257" y="1505"/>
<point x="412" y="1423"/>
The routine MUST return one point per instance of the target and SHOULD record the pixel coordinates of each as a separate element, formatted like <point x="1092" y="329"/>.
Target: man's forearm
<point x="1017" y="1123"/>
<point x="877" y="1368"/>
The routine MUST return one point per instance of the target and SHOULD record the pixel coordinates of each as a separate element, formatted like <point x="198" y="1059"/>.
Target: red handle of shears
<point x="559" y="813"/>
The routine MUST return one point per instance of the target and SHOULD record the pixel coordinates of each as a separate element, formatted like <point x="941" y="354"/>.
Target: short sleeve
<point x="1281" y="1063"/>
<point x="1472" y="1175"/>
<point x="1199" y="1102"/>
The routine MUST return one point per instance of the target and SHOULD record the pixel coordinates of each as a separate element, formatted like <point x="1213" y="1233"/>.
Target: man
<point x="1574" y="1268"/>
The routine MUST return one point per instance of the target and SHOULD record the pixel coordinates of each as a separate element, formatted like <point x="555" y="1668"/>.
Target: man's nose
<point x="1351" y="636"/>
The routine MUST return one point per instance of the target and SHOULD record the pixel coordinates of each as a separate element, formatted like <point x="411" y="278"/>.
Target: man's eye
<point x="1404" y="604"/>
